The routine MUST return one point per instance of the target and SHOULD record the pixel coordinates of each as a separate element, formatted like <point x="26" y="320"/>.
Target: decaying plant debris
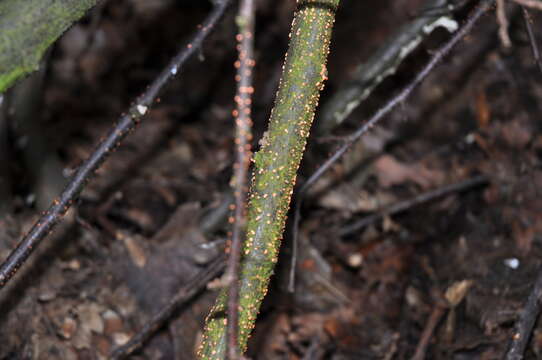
<point x="444" y="279"/>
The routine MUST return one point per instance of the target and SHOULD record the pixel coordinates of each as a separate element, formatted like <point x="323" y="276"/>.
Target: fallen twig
<point x="438" y="55"/>
<point x="210" y="222"/>
<point x="126" y="123"/>
<point x="417" y="200"/>
<point x="186" y="293"/>
<point x="430" y="326"/>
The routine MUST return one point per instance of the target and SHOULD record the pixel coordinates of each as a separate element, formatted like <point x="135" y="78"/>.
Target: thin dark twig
<point x="187" y="292"/>
<point x="438" y="55"/>
<point x="532" y="39"/>
<point x="535" y="4"/>
<point x="432" y="322"/>
<point x="525" y="324"/>
<point x="243" y="136"/>
<point x="417" y="200"/>
<point x="126" y="124"/>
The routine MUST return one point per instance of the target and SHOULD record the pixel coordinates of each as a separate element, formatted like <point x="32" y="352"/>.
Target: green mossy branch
<point x="276" y="165"/>
<point x="28" y="28"/>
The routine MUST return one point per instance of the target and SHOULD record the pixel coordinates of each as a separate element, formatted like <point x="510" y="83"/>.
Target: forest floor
<point x="135" y="235"/>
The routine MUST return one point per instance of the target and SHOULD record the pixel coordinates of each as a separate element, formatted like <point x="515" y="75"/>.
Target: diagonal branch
<point x="526" y="322"/>
<point x="417" y="200"/>
<point x="276" y="165"/>
<point x="439" y="54"/>
<point x="187" y="292"/>
<point x="126" y="124"/>
<point x="384" y="63"/>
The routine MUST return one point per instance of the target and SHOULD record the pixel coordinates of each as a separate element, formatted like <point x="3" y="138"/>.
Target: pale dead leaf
<point x="457" y="291"/>
<point x="348" y="198"/>
<point x="392" y="172"/>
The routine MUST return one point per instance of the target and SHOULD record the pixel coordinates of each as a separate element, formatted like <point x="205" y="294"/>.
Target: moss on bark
<point x="276" y="165"/>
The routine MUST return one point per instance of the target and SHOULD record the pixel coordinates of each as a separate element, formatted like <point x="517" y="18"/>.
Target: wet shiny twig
<point x="186" y="293"/>
<point x="126" y="124"/>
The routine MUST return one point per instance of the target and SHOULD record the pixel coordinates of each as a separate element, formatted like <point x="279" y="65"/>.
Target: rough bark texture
<point x="276" y="165"/>
<point x="28" y="28"/>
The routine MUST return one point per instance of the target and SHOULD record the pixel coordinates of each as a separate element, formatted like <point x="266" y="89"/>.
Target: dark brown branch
<point x="526" y="322"/>
<point x="437" y="57"/>
<point x="532" y="39"/>
<point x="417" y="200"/>
<point x="126" y="123"/>
<point x="243" y="137"/>
<point x="430" y="326"/>
<point x="186" y="293"/>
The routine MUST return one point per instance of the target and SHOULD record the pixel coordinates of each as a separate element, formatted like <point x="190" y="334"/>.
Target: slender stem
<point x="439" y="54"/>
<point x="243" y="137"/>
<point x="417" y="200"/>
<point x="421" y="349"/>
<point x="208" y="224"/>
<point x="276" y="165"/>
<point x="527" y="320"/>
<point x="126" y="124"/>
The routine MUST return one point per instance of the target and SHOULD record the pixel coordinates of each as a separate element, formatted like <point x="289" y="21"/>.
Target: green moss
<point x="276" y="166"/>
<point x="28" y="28"/>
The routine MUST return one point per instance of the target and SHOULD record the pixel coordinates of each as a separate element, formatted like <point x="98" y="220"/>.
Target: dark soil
<point x="135" y="235"/>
